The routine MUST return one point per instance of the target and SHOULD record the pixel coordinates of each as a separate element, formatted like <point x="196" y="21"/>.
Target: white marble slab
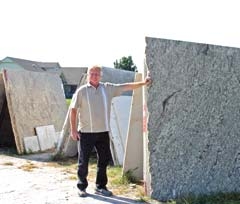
<point x="31" y="144"/>
<point x="46" y="137"/>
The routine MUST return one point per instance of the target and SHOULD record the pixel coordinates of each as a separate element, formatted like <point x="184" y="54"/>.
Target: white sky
<point x="87" y="32"/>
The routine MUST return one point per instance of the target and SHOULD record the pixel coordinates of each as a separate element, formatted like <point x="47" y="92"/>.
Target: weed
<point x="28" y="167"/>
<point x="8" y="163"/>
<point x="58" y="157"/>
<point x="128" y="177"/>
<point x="72" y="177"/>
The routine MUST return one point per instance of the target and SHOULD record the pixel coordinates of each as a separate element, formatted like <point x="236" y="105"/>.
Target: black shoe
<point x="103" y="191"/>
<point x="82" y="193"/>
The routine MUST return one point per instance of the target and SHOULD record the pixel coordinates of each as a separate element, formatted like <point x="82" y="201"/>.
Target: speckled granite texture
<point x="194" y="118"/>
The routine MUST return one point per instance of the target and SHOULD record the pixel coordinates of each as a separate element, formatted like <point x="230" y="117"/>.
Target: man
<point x="92" y="103"/>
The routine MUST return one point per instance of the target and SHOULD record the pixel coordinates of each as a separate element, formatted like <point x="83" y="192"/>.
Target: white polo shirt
<point x="94" y="105"/>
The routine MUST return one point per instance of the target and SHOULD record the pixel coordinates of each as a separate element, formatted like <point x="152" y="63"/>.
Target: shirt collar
<point x="89" y="85"/>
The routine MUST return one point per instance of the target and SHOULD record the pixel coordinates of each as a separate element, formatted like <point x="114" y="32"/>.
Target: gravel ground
<point x="44" y="184"/>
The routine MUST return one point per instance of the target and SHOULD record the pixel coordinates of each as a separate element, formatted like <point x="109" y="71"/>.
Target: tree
<point x="125" y="63"/>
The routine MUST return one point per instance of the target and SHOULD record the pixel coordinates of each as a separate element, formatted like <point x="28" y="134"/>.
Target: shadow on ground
<point x="113" y="199"/>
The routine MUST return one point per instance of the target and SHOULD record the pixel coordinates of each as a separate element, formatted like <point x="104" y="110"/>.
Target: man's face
<point x="94" y="76"/>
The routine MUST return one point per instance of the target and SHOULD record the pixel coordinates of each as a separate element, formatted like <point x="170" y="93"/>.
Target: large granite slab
<point x="193" y="126"/>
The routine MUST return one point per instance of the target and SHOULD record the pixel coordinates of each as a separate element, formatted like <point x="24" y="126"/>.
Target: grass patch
<point x="58" y="157"/>
<point x="29" y="166"/>
<point x="8" y="163"/>
<point x="121" y="184"/>
<point x="128" y="177"/>
<point x="125" y="183"/>
<point x="68" y="101"/>
<point x="72" y="177"/>
<point x="60" y="160"/>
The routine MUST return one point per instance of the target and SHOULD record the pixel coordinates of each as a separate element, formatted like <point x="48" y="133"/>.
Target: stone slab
<point x="33" y="99"/>
<point x="193" y="126"/>
<point x="57" y="138"/>
<point x="133" y="155"/>
<point x="46" y="136"/>
<point x="119" y="121"/>
<point x="31" y="144"/>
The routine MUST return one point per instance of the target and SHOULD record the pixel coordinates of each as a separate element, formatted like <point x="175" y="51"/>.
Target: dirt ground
<point x="29" y="180"/>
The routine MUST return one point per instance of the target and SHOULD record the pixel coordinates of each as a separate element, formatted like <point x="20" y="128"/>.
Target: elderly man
<point x="93" y="102"/>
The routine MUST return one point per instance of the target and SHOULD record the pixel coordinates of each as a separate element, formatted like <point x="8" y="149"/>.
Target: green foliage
<point x="68" y="101"/>
<point x="125" y="63"/>
<point x="128" y="177"/>
<point x="125" y="179"/>
<point x="58" y="157"/>
<point x="114" y="173"/>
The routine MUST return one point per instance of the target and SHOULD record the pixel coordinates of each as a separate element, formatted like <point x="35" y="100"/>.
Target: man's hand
<point x="73" y="124"/>
<point x="134" y="85"/>
<point x="75" y="135"/>
<point x="148" y="79"/>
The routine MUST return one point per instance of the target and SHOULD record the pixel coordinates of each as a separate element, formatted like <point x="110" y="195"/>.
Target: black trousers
<point x="88" y="141"/>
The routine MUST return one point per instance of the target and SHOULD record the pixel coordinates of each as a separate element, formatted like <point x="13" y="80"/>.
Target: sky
<point x="82" y="33"/>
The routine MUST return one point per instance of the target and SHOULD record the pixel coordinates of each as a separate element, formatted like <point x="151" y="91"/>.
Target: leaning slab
<point x="33" y="99"/>
<point x="193" y="126"/>
<point x="31" y="144"/>
<point x="133" y="156"/>
<point x="119" y="120"/>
